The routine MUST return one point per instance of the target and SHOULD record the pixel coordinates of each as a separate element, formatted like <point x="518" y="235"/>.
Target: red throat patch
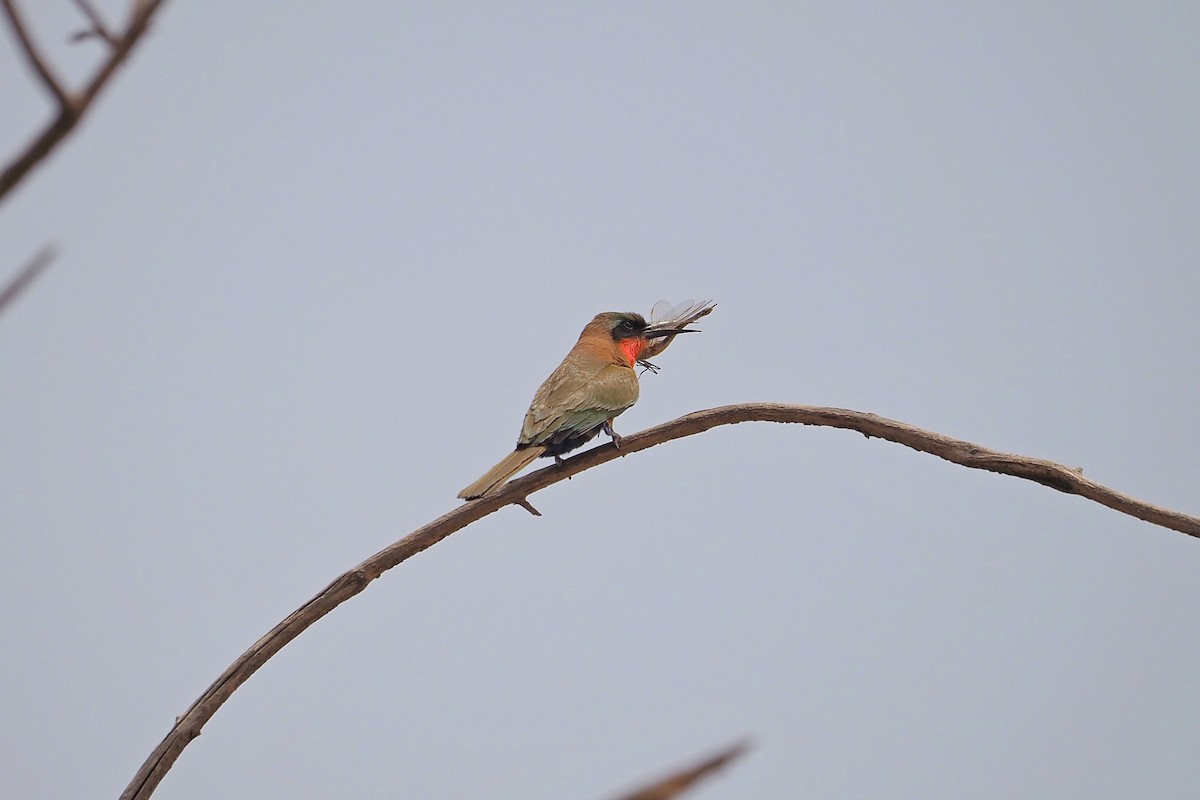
<point x="632" y="348"/>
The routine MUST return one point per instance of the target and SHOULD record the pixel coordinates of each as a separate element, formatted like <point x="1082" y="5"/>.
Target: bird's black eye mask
<point x="628" y="327"/>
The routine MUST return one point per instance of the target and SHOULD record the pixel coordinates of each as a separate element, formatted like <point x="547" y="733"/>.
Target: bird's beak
<point x="658" y="333"/>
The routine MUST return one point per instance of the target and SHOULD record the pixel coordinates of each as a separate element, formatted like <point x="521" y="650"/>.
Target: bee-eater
<point x="593" y="384"/>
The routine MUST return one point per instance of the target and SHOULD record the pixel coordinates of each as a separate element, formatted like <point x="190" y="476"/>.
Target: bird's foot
<point x="616" y="437"/>
<point x="557" y="459"/>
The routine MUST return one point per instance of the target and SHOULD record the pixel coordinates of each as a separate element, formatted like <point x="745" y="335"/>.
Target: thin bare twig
<point x="26" y="276"/>
<point x="679" y="782"/>
<point x="72" y="106"/>
<point x="1056" y="476"/>
<point x="99" y="28"/>
<point x="36" y="62"/>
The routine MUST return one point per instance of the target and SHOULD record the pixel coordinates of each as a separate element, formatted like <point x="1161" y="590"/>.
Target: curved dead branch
<point x="71" y="105"/>
<point x="1047" y="473"/>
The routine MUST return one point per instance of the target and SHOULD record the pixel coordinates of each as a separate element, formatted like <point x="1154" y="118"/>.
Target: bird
<point x="593" y="385"/>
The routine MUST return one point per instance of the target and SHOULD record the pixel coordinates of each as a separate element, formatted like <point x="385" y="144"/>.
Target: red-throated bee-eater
<point x="593" y="384"/>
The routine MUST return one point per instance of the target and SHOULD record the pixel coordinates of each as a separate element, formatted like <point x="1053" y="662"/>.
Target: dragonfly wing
<point x="664" y="314"/>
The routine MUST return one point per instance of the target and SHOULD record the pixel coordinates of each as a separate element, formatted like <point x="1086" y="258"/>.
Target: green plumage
<point x="577" y="398"/>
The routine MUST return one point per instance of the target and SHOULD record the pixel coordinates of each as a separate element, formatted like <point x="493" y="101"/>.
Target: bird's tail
<point x="511" y="465"/>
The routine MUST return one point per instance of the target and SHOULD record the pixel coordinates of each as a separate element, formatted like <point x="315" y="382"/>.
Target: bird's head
<point x="629" y="333"/>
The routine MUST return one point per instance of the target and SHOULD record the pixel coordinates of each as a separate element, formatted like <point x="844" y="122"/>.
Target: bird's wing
<point x="575" y="398"/>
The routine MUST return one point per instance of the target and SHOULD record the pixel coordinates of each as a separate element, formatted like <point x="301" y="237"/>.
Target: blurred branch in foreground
<point x="679" y="782"/>
<point x="1065" y="479"/>
<point x="26" y="276"/>
<point x="71" y="105"/>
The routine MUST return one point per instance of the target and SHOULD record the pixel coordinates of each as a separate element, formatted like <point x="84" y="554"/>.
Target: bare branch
<point x="73" y="106"/>
<point x="36" y="62"/>
<point x="1047" y="473"/>
<point x="26" y="276"/>
<point x="679" y="782"/>
<point x="99" y="28"/>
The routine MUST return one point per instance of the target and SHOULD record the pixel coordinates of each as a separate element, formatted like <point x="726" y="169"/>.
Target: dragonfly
<point x="665" y="314"/>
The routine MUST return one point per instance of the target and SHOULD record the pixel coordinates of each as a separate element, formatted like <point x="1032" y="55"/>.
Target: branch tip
<point x="681" y="781"/>
<point x="525" y="504"/>
<point x="27" y="275"/>
<point x="98" y="29"/>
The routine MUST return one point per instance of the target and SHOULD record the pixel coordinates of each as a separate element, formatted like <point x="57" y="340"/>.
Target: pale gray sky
<point x="317" y="258"/>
